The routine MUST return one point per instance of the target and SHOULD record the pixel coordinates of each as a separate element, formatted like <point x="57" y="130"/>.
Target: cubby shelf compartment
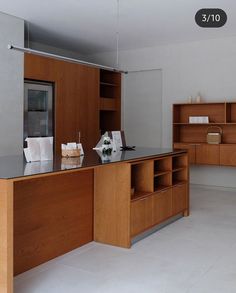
<point x="162" y="166"/>
<point x="107" y="104"/>
<point x="141" y="179"/>
<point x="162" y="182"/>
<point x="180" y="177"/>
<point x="179" y="162"/>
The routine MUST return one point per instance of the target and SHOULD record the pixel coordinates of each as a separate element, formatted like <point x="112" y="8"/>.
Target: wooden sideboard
<point x="44" y="215"/>
<point x="86" y="99"/>
<point x="192" y="136"/>
<point x="160" y="191"/>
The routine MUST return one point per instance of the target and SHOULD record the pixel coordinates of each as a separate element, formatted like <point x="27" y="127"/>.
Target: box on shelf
<point x="198" y="119"/>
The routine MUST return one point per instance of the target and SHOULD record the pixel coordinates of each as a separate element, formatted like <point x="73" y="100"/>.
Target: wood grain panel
<point x="208" y="154"/>
<point x="52" y="215"/>
<point x="228" y="155"/>
<point x="179" y="198"/>
<point x="6" y="236"/>
<point x="87" y="106"/>
<point x="162" y="205"/>
<point x="76" y="90"/>
<point x="112" y="205"/>
<point x="141" y="215"/>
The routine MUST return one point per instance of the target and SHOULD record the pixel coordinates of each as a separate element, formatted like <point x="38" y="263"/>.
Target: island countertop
<point x="15" y="166"/>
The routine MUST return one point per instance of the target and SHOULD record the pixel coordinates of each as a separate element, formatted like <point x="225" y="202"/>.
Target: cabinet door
<point x="191" y="150"/>
<point x="141" y="215"/>
<point x="179" y="198"/>
<point x="162" y="205"/>
<point x="208" y="154"/>
<point x="228" y="155"/>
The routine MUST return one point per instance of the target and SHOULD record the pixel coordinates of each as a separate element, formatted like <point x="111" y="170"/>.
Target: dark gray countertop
<point x="16" y="166"/>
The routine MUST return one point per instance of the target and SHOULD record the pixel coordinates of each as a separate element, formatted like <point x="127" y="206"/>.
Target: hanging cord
<point x="28" y="34"/>
<point x="117" y="33"/>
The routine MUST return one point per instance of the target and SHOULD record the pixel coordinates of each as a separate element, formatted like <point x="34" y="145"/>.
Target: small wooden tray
<point x="71" y="153"/>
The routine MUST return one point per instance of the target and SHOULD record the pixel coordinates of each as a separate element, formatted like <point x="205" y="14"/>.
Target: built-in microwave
<point x="38" y="109"/>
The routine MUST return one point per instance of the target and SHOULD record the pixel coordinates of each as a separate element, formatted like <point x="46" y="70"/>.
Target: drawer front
<point x="179" y="198"/>
<point x="141" y="215"/>
<point x="228" y="155"/>
<point x="162" y="205"/>
<point x="191" y="151"/>
<point x="208" y="154"/>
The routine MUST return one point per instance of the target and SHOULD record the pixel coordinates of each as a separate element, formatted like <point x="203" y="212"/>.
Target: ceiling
<point x="89" y="26"/>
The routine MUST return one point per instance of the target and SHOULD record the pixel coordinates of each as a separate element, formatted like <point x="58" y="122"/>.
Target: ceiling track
<point x="63" y="58"/>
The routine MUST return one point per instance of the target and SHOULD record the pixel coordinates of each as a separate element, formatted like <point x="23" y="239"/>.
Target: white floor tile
<point x="196" y="254"/>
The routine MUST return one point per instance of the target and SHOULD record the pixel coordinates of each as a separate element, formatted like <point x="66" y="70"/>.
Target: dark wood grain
<point x="52" y="215"/>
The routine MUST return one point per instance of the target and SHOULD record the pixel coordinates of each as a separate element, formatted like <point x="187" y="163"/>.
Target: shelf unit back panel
<point x="191" y="133"/>
<point x="215" y="112"/>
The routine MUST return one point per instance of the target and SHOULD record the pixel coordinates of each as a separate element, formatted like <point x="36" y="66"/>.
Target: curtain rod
<point x="64" y="58"/>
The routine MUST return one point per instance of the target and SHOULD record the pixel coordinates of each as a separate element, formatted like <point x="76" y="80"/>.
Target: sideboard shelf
<point x="193" y="136"/>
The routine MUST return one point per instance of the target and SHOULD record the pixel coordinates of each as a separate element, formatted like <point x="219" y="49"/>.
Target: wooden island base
<point x="44" y="216"/>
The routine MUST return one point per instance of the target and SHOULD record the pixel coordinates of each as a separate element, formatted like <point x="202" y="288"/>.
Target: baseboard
<point x="213" y="187"/>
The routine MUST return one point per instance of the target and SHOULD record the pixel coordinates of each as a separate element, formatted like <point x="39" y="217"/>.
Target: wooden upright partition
<point x="112" y="205"/>
<point x="6" y="236"/>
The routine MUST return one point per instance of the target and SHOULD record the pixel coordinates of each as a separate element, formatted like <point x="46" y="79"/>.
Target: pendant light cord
<point x="117" y="33"/>
<point x="28" y="34"/>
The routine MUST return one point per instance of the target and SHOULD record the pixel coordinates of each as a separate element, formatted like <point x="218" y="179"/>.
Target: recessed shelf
<point x="139" y="195"/>
<point x="160" y="173"/>
<point x="107" y="84"/>
<point x="178" y="169"/>
<point x="161" y="187"/>
<point x="178" y="182"/>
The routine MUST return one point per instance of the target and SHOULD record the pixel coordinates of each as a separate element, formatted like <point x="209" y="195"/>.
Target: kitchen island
<point x="52" y="207"/>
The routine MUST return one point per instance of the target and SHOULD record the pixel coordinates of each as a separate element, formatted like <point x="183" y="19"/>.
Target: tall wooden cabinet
<point x="193" y="136"/>
<point x="87" y="100"/>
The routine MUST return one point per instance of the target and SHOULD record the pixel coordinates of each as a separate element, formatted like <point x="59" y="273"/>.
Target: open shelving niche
<point x="110" y="100"/>
<point x="220" y="114"/>
<point x="151" y="176"/>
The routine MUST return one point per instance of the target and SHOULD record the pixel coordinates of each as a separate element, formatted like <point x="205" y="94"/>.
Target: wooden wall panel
<point x="6" y="236"/>
<point x="76" y="89"/>
<point x="52" y="215"/>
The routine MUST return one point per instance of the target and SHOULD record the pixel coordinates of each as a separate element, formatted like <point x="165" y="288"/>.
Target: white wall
<point x="11" y="86"/>
<point x="54" y="50"/>
<point x="205" y="66"/>
<point x="143" y="108"/>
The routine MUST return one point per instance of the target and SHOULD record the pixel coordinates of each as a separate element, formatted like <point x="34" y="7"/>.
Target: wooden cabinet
<point x="141" y="215"/>
<point x="150" y="211"/>
<point x="179" y="198"/>
<point x="77" y="103"/>
<point x="193" y="136"/>
<point x="191" y="150"/>
<point x="162" y="205"/>
<point x="228" y="155"/>
<point x="208" y="154"/>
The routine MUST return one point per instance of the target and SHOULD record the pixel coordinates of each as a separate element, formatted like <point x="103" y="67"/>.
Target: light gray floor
<point x="195" y="254"/>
